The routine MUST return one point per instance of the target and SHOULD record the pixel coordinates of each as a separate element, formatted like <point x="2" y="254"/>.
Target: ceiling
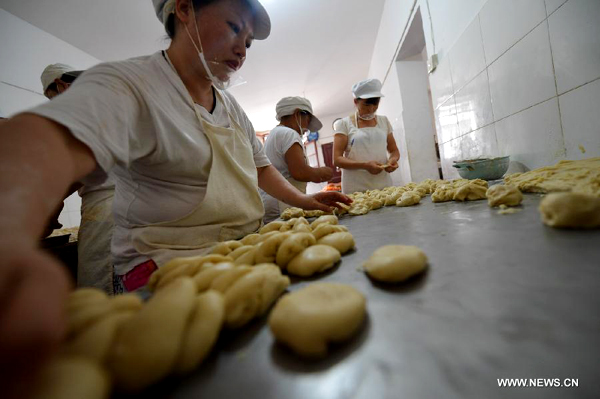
<point x="317" y="48"/>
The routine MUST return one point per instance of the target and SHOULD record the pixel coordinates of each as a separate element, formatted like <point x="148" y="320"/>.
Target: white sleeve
<point x="389" y="125"/>
<point x="286" y="139"/>
<point x="260" y="158"/>
<point x="341" y="127"/>
<point x="101" y="110"/>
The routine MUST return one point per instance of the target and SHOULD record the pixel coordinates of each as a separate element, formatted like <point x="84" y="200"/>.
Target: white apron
<point x="231" y="208"/>
<point x="366" y="144"/>
<point x="94" y="265"/>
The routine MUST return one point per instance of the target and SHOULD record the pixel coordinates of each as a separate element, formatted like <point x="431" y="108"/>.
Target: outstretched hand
<point x="326" y="201"/>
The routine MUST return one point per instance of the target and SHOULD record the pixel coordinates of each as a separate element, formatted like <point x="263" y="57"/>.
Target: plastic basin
<point x="486" y="169"/>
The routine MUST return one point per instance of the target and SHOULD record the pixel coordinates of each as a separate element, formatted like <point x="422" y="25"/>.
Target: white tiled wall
<point x="523" y="79"/>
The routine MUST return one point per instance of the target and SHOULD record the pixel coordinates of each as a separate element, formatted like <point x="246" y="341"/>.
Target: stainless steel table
<point x="504" y="297"/>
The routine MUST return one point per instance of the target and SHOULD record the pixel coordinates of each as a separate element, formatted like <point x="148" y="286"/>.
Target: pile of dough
<point x="577" y="176"/>
<point x="310" y="318"/>
<point x="409" y="198"/>
<point x="459" y="190"/>
<point x="571" y="210"/>
<point x="395" y="263"/>
<point x="470" y="192"/>
<point x="507" y="194"/>
<point x="314" y="259"/>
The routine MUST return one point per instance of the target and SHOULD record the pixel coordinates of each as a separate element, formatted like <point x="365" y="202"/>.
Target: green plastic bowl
<point x="486" y="169"/>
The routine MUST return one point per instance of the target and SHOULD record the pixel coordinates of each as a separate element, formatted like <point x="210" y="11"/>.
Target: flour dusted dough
<point x="314" y="259"/>
<point x="395" y="263"/>
<point x="72" y="377"/>
<point x="507" y="194"/>
<point x="409" y="198"/>
<point x="308" y="319"/>
<point x="571" y="210"/>
<point x="342" y="241"/>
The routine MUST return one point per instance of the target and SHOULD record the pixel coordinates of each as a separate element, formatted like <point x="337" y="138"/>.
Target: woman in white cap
<point x="184" y="154"/>
<point x="364" y="146"/>
<point x="285" y="150"/>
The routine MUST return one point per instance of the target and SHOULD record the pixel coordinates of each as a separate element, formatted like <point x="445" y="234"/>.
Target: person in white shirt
<point x="285" y="150"/>
<point x="364" y="146"/>
<point x="184" y="155"/>
<point x="94" y="264"/>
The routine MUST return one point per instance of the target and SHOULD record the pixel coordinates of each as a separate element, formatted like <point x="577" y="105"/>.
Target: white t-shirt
<point x="137" y="118"/>
<point x="279" y="141"/>
<point x="344" y="126"/>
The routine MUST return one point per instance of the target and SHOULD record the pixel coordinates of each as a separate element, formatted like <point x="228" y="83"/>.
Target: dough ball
<point x="395" y="263"/>
<point x="504" y="195"/>
<point x="571" y="210"/>
<point x="341" y="241"/>
<point x="314" y="259"/>
<point x="308" y="319"/>
<point x="409" y="198"/>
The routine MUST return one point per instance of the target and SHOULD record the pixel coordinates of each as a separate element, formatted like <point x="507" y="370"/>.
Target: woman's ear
<point x="183" y="10"/>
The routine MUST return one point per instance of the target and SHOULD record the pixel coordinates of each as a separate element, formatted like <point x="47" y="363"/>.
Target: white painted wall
<point x="24" y="53"/>
<point x="518" y="78"/>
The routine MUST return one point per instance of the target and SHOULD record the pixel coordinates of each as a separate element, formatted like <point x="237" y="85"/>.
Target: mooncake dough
<point x="506" y="194"/>
<point x="409" y="198"/>
<point x="342" y="241"/>
<point x="570" y="210"/>
<point x="395" y="263"/>
<point x="309" y="319"/>
<point x="314" y="259"/>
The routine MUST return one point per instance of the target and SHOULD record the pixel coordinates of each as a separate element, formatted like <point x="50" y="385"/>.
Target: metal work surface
<point x="504" y="297"/>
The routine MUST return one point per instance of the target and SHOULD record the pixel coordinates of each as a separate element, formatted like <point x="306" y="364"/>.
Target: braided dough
<point x="409" y="198"/>
<point x="310" y="318"/>
<point x="395" y="263"/>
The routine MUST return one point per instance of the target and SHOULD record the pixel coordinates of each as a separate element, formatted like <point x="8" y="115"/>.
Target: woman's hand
<point x="374" y="167"/>
<point x="325" y="201"/>
<point x="392" y="166"/>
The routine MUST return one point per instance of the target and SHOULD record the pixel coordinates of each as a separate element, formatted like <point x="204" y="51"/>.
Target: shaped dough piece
<point x="341" y="241"/>
<point x="313" y="214"/>
<point x="250" y="239"/>
<point x="248" y="256"/>
<point x="314" y="259"/>
<point x="325" y="229"/>
<point x="329" y="219"/>
<point x="571" y="210"/>
<point x="292" y="246"/>
<point x="308" y="319"/>
<point x="204" y="278"/>
<point x="147" y="345"/>
<point x="290" y="213"/>
<point x="240" y="251"/>
<point x="202" y="331"/>
<point x="442" y="194"/>
<point x="409" y="198"/>
<point x="395" y="263"/>
<point x="71" y="377"/>
<point x="227" y="278"/>
<point x="508" y="195"/>
<point x="267" y="251"/>
<point x="470" y="192"/>
<point x="273" y="226"/>
<point x="80" y="319"/>
<point x="253" y="294"/>
<point x="178" y="262"/>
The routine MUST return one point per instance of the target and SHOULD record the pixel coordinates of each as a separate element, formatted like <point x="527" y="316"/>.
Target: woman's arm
<point x="294" y="157"/>
<point x="39" y="160"/>
<point x="392" y="149"/>
<point x="340" y="141"/>
<point x="271" y="181"/>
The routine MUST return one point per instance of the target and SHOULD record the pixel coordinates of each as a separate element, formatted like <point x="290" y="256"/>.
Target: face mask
<point x="366" y="117"/>
<point x="233" y="78"/>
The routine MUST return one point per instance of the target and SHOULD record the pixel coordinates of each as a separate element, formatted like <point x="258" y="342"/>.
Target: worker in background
<point x="364" y="146"/>
<point x="285" y="150"/>
<point x="185" y="157"/>
<point x="94" y="265"/>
